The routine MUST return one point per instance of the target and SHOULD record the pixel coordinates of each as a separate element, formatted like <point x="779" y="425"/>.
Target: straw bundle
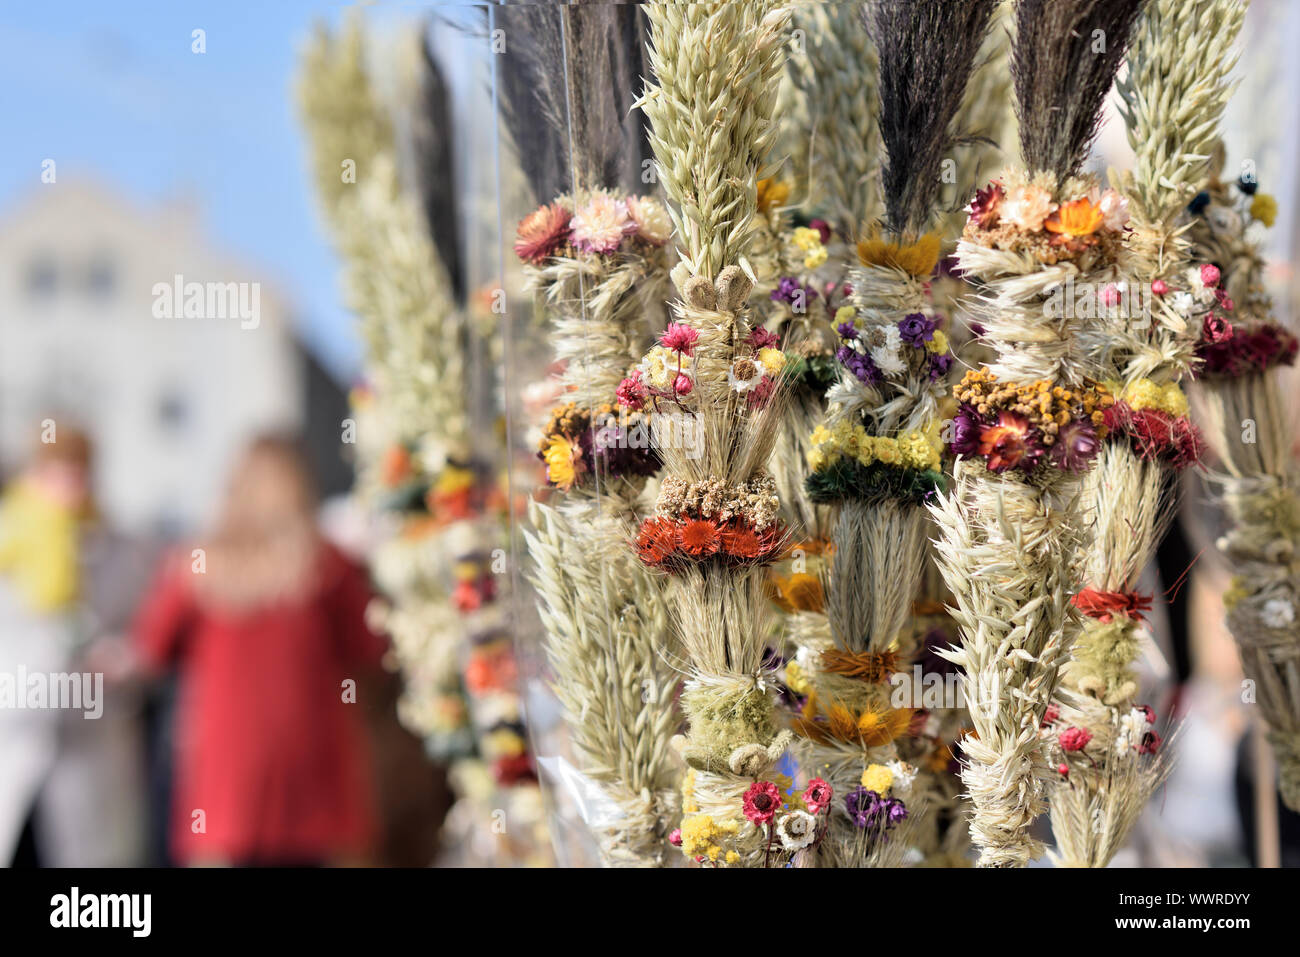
<point x="1173" y="96"/>
<point x="1011" y="525"/>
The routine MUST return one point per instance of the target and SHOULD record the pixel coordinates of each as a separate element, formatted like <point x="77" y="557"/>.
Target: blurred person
<point x="266" y="624"/>
<point x="73" y="770"/>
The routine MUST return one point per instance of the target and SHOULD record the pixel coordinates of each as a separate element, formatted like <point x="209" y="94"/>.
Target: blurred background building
<point x="168" y="399"/>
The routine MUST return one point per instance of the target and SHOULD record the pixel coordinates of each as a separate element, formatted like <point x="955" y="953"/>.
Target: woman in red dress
<point x="266" y="623"/>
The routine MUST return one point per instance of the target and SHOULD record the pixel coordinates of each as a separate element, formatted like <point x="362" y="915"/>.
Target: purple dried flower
<point x="864" y="807"/>
<point x="917" y="329"/>
<point x="847" y="330"/>
<point x="1076" y="444"/>
<point x="940" y="363"/>
<point x="897" y="811"/>
<point x="965" y="431"/>
<point x="788" y="290"/>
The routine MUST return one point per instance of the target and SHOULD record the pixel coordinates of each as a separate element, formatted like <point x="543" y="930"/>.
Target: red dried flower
<point x="541" y="233"/>
<point x="762" y="801"/>
<point x="1150" y="743"/>
<point x="984" y="207"/>
<point x="1006" y="443"/>
<point x="760" y="338"/>
<point x="1074" y="739"/>
<point x="699" y="537"/>
<point x="1051" y="714"/>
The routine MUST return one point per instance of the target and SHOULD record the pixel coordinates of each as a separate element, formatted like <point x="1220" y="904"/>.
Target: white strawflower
<point x="796" y="830"/>
<point x="1277" y="613"/>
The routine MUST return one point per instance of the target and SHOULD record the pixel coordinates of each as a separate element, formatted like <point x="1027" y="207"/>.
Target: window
<point x="42" y="276"/>
<point x="101" y="277"/>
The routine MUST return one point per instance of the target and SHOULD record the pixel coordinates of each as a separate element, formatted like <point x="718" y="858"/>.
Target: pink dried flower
<point x="675" y="838"/>
<point x="1074" y="739"/>
<point x="631" y="392"/>
<point x="1159" y="287"/>
<point x="679" y="337"/>
<point x="1210" y="274"/>
<point x="817" y="795"/>
<point x="683" y="385"/>
<point x="599" y="227"/>
<point x="760" y="338"/>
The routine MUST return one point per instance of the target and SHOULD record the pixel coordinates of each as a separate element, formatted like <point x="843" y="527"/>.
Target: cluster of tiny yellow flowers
<point x="1145" y="394"/>
<point x="795" y="679"/>
<point x="845" y="440"/>
<point x="702" y="837"/>
<point x="688" y="792"/>
<point x="878" y="778"/>
<point x="809" y="242"/>
<point x="939" y="343"/>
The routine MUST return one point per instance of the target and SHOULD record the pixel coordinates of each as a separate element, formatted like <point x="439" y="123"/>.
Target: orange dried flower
<point x="1075" y="219"/>
<point x="699" y="538"/>
<point x="541" y="233"/>
<point x="656" y="540"/>
<point x="739" y="539"/>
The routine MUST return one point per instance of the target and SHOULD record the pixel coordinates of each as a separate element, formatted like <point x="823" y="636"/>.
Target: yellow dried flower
<point x="878" y="778"/>
<point x="1264" y="208"/>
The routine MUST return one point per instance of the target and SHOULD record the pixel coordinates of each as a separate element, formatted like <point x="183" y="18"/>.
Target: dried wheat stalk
<point x="715" y="76"/>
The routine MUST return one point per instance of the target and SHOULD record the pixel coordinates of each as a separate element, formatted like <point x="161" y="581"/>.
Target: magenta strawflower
<point x="762" y="801"/>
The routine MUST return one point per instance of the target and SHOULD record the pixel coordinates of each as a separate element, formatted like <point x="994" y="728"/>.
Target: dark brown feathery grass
<point x="927" y="51"/>
<point x="568" y="79"/>
<point x="431" y="136"/>
<point x="1063" y="62"/>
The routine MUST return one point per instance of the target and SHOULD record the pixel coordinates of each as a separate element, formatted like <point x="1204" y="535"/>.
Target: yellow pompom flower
<point x="733" y="857"/>
<point x="1237" y="590"/>
<point x="1175" y="400"/>
<point x="1264" y="208"/>
<point x="773" y="360"/>
<point x="939" y="343"/>
<point x="815" y="258"/>
<point x="878" y="778"/>
<point x="845" y="314"/>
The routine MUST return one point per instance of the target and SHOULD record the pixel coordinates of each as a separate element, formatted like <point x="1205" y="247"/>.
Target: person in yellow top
<point x="41" y="514"/>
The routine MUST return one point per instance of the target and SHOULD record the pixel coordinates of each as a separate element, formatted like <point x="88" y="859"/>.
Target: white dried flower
<point x="1114" y="210"/>
<point x="796" y="830"/>
<point x="904" y="774"/>
<point x="886" y="356"/>
<point x="653" y="223"/>
<point x="745" y="373"/>
<point x="1026" y="207"/>
<point x="1277" y="613"/>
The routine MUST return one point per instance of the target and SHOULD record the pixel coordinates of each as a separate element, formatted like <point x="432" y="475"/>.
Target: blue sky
<point x="113" y="91"/>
